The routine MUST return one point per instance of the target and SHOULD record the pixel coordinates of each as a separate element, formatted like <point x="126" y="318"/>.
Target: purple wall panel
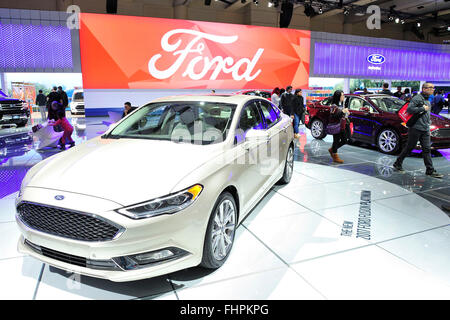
<point x="31" y="47"/>
<point x="351" y="61"/>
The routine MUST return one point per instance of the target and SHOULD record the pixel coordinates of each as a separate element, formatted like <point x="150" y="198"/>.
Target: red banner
<point x="123" y="52"/>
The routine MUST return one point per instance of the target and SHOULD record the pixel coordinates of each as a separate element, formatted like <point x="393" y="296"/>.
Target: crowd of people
<point x="53" y="108"/>
<point x="437" y="98"/>
<point x="292" y="104"/>
<point x="420" y="106"/>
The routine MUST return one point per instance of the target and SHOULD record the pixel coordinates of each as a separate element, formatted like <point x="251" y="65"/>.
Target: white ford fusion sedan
<point x="162" y="190"/>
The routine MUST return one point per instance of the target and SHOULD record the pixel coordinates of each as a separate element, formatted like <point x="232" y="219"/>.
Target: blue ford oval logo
<point x="376" y="59"/>
<point x="59" y="197"/>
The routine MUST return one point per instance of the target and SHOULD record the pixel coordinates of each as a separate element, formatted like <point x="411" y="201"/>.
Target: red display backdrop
<point x="123" y="52"/>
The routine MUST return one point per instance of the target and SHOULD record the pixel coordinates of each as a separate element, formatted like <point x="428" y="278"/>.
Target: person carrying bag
<point x="338" y="125"/>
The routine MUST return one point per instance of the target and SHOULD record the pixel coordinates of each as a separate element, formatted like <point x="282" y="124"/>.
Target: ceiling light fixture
<point x="346" y="11"/>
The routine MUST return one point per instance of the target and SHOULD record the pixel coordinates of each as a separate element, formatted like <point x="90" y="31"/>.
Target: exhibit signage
<point x="123" y="52"/>
<point x="339" y="60"/>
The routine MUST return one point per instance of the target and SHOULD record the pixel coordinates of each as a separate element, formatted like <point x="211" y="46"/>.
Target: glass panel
<point x="269" y="113"/>
<point x="190" y="121"/>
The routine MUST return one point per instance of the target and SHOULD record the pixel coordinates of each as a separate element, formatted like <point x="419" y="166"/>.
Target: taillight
<point x="306" y="118"/>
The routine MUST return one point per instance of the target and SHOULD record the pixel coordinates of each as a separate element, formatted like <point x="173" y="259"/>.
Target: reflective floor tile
<point x="9" y="235"/>
<point x="279" y="284"/>
<point x="320" y="196"/>
<point x="385" y="223"/>
<point x="426" y="250"/>
<point x="304" y="236"/>
<point x="370" y="273"/>
<point x="19" y="278"/>
<point x="379" y="189"/>
<point x="325" y="173"/>
<point x="273" y="206"/>
<point x="414" y="182"/>
<point x="247" y="256"/>
<point x="7" y="210"/>
<point x="62" y="285"/>
<point x="418" y="207"/>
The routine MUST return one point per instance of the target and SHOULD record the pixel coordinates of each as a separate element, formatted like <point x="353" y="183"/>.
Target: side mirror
<point x="253" y="135"/>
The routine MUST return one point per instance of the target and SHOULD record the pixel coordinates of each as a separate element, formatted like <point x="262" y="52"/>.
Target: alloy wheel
<point x="223" y="229"/>
<point x="317" y="129"/>
<point x="387" y="141"/>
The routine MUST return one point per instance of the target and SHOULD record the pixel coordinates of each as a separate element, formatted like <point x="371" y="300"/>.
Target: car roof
<point x="220" y="98"/>
<point x="372" y="95"/>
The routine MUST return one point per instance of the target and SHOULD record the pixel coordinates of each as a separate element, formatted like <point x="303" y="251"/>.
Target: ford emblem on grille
<point x="59" y="197"/>
<point x="376" y="59"/>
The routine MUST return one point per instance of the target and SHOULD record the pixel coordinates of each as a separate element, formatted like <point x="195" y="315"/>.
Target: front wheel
<point x="288" y="167"/>
<point x="318" y="129"/>
<point x="388" y="141"/>
<point x="220" y="232"/>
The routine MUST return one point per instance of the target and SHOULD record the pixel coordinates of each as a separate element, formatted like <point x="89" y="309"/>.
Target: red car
<point x="260" y="93"/>
<point x="376" y="121"/>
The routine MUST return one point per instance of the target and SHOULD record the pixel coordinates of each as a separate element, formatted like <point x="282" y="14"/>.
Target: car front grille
<point x="67" y="224"/>
<point x="442" y="133"/>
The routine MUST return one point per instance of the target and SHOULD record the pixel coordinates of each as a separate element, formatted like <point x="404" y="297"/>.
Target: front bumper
<point x="184" y="230"/>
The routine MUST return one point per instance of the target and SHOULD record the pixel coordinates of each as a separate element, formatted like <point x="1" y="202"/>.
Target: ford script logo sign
<point x="59" y="197"/>
<point x="376" y="59"/>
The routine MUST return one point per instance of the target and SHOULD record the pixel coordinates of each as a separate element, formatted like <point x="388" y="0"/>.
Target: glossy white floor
<point x="290" y="247"/>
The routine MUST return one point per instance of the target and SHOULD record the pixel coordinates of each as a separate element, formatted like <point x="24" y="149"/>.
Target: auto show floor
<point x="310" y="239"/>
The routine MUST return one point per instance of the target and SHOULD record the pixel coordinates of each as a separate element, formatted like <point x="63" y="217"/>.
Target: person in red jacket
<point x="67" y="127"/>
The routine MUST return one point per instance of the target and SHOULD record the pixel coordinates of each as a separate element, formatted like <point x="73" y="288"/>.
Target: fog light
<point x="153" y="256"/>
<point x="147" y="259"/>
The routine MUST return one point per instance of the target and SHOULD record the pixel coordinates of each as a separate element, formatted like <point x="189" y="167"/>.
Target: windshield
<point x="180" y="121"/>
<point x="388" y="104"/>
<point x="78" y="96"/>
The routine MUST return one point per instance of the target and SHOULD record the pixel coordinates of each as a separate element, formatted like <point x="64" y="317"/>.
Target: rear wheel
<point x="318" y="129"/>
<point x="388" y="141"/>
<point x="220" y="232"/>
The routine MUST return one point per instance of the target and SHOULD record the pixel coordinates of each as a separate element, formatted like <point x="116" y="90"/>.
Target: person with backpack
<point x="419" y="130"/>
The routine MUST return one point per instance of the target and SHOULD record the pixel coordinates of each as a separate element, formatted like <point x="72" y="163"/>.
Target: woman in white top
<point x="276" y="96"/>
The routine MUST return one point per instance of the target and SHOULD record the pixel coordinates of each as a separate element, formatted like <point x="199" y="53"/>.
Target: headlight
<point x="165" y="205"/>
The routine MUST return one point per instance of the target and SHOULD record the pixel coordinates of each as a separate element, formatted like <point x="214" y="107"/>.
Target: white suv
<point x="77" y="104"/>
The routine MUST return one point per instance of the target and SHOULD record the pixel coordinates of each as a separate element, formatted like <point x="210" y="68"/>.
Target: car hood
<point x="126" y="171"/>
<point x="439" y="121"/>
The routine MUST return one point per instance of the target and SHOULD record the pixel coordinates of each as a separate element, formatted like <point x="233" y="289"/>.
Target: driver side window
<point x="250" y="119"/>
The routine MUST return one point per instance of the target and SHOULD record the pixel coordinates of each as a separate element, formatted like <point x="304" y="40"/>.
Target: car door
<point x="247" y="168"/>
<point x="361" y="115"/>
<point x="274" y="153"/>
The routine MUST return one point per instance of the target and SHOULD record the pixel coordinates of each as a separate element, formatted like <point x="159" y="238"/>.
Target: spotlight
<point x="320" y="10"/>
<point x="270" y="4"/>
<point x="255" y="2"/>
<point x="448" y="28"/>
<point x="397" y="20"/>
<point x="402" y="21"/>
<point x="346" y="11"/>
<point x="419" y="24"/>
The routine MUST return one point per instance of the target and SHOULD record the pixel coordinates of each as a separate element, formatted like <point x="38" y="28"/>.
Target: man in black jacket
<point x="64" y="98"/>
<point x="41" y="102"/>
<point x="420" y="131"/>
<point x="286" y="101"/>
<point x="386" y="89"/>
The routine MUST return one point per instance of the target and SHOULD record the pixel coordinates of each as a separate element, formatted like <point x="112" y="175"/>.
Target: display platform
<point x="353" y="231"/>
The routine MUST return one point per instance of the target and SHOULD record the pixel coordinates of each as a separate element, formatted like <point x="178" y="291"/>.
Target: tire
<point x="213" y="257"/>
<point x="318" y="129"/>
<point x="288" y="167"/>
<point x="388" y="141"/>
